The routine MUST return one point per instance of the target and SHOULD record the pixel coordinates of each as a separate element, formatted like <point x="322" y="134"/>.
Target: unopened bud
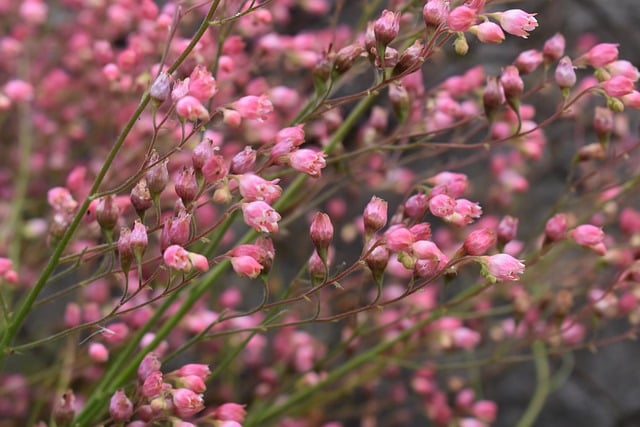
<point x="141" y="197"/>
<point x="157" y="175"/>
<point x="107" y="213"/>
<point x="186" y="186"/>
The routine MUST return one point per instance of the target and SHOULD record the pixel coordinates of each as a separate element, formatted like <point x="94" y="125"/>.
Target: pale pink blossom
<point x="601" y="54"/>
<point x="191" y="109"/>
<point x="202" y="85"/>
<point x="261" y="216"/>
<point x="187" y="402"/>
<point x="375" y="214"/>
<point x="386" y="27"/>
<point x="504" y="267"/>
<point x="488" y="32"/>
<point x="254" y="107"/>
<point x="254" y="188"/>
<point x="617" y="86"/>
<point x="461" y="18"/>
<point x="587" y="235"/>
<point x="308" y="161"/>
<point x="518" y="22"/>
<point x="245" y="265"/>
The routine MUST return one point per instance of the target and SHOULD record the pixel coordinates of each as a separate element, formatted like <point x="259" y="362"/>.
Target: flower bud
<point x="186" y="186"/>
<point x="503" y="267"/>
<point x="511" y="82"/>
<point x="65" y="409"/>
<point x="186" y="402"/>
<point x="493" y="96"/>
<point x="387" y="27"/>
<point x="603" y="124"/>
<point x="230" y="412"/>
<point x="244" y="161"/>
<point x="138" y="240"/>
<point x="556" y="227"/>
<point x="346" y="57"/>
<point x="479" y="241"/>
<point x="120" y="407"/>
<point x="107" y="213"/>
<point x="565" y="75"/>
<point x="321" y="232"/>
<point x="157" y="175"/>
<point x="160" y="89"/>
<point x="141" y="197"/>
<point x="435" y="12"/>
<point x="375" y="215"/>
<point x="554" y="48"/>
<point x="528" y="61"/>
<point x="507" y="229"/>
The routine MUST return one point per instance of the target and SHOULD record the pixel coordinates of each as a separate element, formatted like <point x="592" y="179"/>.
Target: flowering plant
<point x="211" y="218"/>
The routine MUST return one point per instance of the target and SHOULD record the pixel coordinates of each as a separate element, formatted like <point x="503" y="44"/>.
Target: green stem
<point x="543" y="387"/>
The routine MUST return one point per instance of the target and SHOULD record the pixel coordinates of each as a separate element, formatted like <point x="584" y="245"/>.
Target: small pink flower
<point x="202" y="85"/>
<point x="153" y="384"/>
<point x="528" y="61"/>
<point x="321" y="231"/>
<point x="198" y="369"/>
<point x="261" y="216"/>
<point x="485" y="410"/>
<point x="430" y="260"/>
<point x="601" y="54"/>
<point x="556" y="227"/>
<point x="554" y="48"/>
<point x="488" y="32"/>
<point x="98" y="352"/>
<point x="504" y="267"/>
<point x="230" y="412"/>
<point x="461" y="18"/>
<point x="511" y="82"/>
<point x="441" y="205"/>
<point x="190" y="108"/>
<point x="617" y="86"/>
<point x="465" y="338"/>
<point x="254" y="107"/>
<point x="18" y="90"/>
<point x="518" y="22"/>
<point x="398" y="238"/>
<point x="308" y="161"/>
<point x="253" y="188"/>
<point x="435" y="12"/>
<point x="246" y="265"/>
<point x="187" y="402"/>
<point x="632" y="99"/>
<point x="587" y="235"/>
<point x="464" y="213"/>
<point x="451" y="183"/>
<point x="623" y="68"/>
<point x="177" y="258"/>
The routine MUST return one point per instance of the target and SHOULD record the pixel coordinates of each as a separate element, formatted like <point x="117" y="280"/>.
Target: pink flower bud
<point x="435" y="12"/>
<point x="215" y="168"/>
<point x="346" y="57"/>
<point x="18" y="91"/>
<point x="556" y="227"/>
<point x="179" y="228"/>
<point x="528" y="61"/>
<point x="244" y="161"/>
<point x="453" y="184"/>
<point x="120" y="407"/>
<point x="518" y="22"/>
<point x="493" y="96"/>
<point x="503" y="267"/>
<point x="587" y="235"/>
<point x="623" y="68"/>
<point x="153" y="384"/>
<point x="416" y="206"/>
<point x="565" y="74"/>
<point x="160" y="89"/>
<point x="261" y="216"/>
<point x="554" y="48"/>
<point x="461" y="18"/>
<point x="479" y="241"/>
<point x="191" y="109"/>
<point x="617" y="86"/>
<point x="98" y="352"/>
<point x="464" y="213"/>
<point x="254" y="107"/>
<point x="441" y="205"/>
<point x="230" y="412"/>
<point x="198" y="369"/>
<point x="33" y="11"/>
<point x="308" y="161"/>
<point x="245" y="265"/>
<point x="485" y="410"/>
<point x="202" y="85"/>
<point x="386" y="27"/>
<point x="107" y="212"/>
<point x="192" y="382"/>
<point x="375" y="215"/>
<point x="465" y="338"/>
<point x="601" y="54"/>
<point x="511" y="82"/>
<point x="321" y="232"/>
<point x="488" y="32"/>
<point x="157" y="175"/>
<point x="507" y="229"/>
<point x="203" y="152"/>
<point x="398" y="238"/>
<point x="377" y="260"/>
<point x="138" y="239"/>
<point x="199" y="262"/>
<point x="186" y="185"/>
<point x="65" y="409"/>
<point x="140" y="197"/>
<point x="429" y="258"/>
<point x="186" y="402"/>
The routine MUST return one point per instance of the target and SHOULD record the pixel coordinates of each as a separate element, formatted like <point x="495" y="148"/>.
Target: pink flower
<point x="308" y="161"/>
<point x="435" y="12"/>
<point x="554" y="48"/>
<point x="464" y="213"/>
<point x="202" y="85"/>
<point x="198" y="369"/>
<point x="230" y="412"/>
<point x="488" y="32"/>
<point x="587" y="235"/>
<point x="465" y="338"/>
<point x="253" y="188"/>
<point x="556" y="227"/>
<point x="246" y="265"/>
<point x="503" y="267"/>
<point x="430" y="259"/>
<point x="178" y="258"/>
<point x="518" y="22"/>
<point x="321" y="231"/>
<point x="617" y="86"/>
<point x="479" y="241"/>
<point x="254" y="107"/>
<point x="623" y="68"/>
<point x="528" y="61"/>
<point x="398" y="238"/>
<point x="461" y="18"/>
<point x="441" y="205"/>
<point x="18" y="90"/>
<point x="601" y="54"/>
<point x="450" y="183"/>
<point x="261" y="216"/>
<point x="98" y="352"/>
<point x="187" y="402"/>
<point x="190" y="108"/>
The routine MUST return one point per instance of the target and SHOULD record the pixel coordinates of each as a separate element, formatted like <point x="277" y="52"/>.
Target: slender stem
<point x="542" y="388"/>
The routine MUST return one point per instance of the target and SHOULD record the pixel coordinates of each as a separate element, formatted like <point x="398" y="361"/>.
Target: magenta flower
<point x="503" y="267"/>
<point x="261" y="216"/>
<point x="518" y="22"/>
